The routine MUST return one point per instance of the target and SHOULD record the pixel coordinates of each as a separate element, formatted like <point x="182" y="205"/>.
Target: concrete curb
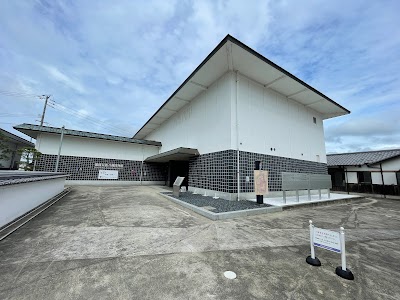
<point x="224" y="215"/>
<point x="320" y="203"/>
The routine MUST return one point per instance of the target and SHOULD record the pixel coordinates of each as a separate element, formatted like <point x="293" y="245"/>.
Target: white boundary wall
<point x="92" y="147"/>
<point x="18" y="199"/>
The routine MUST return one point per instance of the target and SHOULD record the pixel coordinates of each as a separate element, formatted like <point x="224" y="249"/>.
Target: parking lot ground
<point x="131" y="243"/>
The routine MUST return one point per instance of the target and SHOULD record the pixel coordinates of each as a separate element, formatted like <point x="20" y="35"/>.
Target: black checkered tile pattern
<point x="85" y="168"/>
<point x="217" y="171"/>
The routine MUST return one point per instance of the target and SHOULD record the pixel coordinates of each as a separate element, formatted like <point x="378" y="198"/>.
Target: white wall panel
<point x="376" y="178"/>
<point x="90" y="147"/>
<point x="203" y="124"/>
<point x="392" y="164"/>
<point x="389" y="178"/>
<point x="352" y="177"/>
<point x="269" y="120"/>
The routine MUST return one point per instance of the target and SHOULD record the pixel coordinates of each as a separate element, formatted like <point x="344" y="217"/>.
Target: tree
<point x="29" y="155"/>
<point x="5" y="150"/>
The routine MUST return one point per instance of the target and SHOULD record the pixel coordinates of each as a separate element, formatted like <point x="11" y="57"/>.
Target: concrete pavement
<point x="131" y="243"/>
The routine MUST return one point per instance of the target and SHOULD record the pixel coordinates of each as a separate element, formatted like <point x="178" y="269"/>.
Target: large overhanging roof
<point x="233" y="55"/>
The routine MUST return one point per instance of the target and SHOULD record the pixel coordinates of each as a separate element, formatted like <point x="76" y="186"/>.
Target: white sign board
<point x="108" y="174"/>
<point x="327" y="239"/>
<point x="260" y="182"/>
<point x="179" y="180"/>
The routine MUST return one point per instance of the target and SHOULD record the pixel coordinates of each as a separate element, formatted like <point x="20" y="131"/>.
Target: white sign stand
<point x="312" y="259"/>
<point x="342" y="270"/>
<point x="332" y="241"/>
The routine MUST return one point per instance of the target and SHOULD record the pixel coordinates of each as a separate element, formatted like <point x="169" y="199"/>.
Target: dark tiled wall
<point x="83" y="168"/>
<point x="217" y="171"/>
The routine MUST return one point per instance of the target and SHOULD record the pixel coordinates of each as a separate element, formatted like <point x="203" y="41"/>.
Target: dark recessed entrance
<point x="177" y="161"/>
<point x="178" y="168"/>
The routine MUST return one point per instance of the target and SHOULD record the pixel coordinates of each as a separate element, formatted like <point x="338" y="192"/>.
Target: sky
<point x="109" y="65"/>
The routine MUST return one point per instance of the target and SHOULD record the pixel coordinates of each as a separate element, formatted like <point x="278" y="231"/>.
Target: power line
<point x="88" y="119"/>
<point x="17" y="94"/>
<point x="16" y="115"/>
<point x="61" y="108"/>
<point x="79" y="114"/>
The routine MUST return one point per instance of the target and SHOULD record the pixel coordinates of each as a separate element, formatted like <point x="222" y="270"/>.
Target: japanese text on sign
<point x="327" y="239"/>
<point x="108" y="174"/>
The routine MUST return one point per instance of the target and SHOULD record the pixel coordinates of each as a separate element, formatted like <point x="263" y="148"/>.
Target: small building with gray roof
<point x="369" y="171"/>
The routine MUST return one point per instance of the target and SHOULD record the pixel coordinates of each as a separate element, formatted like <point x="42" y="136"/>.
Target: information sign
<point x="179" y="180"/>
<point x="260" y="182"/>
<point x="327" y="239"/>
<point x="108" y="174"/>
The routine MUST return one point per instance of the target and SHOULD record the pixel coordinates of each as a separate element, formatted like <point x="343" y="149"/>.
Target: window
<point x="364" y="177"/>
<point x="314" y="120"/>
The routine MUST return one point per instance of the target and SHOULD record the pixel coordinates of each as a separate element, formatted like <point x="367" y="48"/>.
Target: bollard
<point x="312" y="259"/>
<point x="342" y="270"/>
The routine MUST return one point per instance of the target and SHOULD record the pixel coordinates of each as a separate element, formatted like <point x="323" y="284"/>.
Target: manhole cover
<point x="230" y="274"/>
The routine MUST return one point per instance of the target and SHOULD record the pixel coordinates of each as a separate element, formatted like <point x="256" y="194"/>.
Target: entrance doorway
<point x="178" y="168"/>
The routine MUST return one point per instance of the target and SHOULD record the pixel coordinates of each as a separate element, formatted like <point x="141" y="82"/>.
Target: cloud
<point x="370" y="131"/>
<point x="119" y="61"/>
<point x="63" y="78"/>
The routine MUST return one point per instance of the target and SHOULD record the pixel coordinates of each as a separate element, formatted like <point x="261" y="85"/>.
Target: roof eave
<point x="34" y="132"/>
<point x="229" y="38"/>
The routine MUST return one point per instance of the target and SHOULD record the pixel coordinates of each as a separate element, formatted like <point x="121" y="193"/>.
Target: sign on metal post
<point x="330" y="240"/>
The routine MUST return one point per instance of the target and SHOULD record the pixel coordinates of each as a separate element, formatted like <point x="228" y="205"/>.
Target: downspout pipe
<point x="237" y="138"/>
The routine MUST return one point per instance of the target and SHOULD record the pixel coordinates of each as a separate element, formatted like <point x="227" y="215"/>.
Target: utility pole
<point x="46" y="97"/>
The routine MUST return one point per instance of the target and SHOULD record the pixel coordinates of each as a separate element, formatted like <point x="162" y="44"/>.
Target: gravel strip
<point x="220" y="205"/>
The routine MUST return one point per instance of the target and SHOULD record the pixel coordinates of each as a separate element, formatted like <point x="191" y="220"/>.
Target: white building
<point x="371" y="171"/>
<point x="13" y="143"/>
<point x="235" y="108"/>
